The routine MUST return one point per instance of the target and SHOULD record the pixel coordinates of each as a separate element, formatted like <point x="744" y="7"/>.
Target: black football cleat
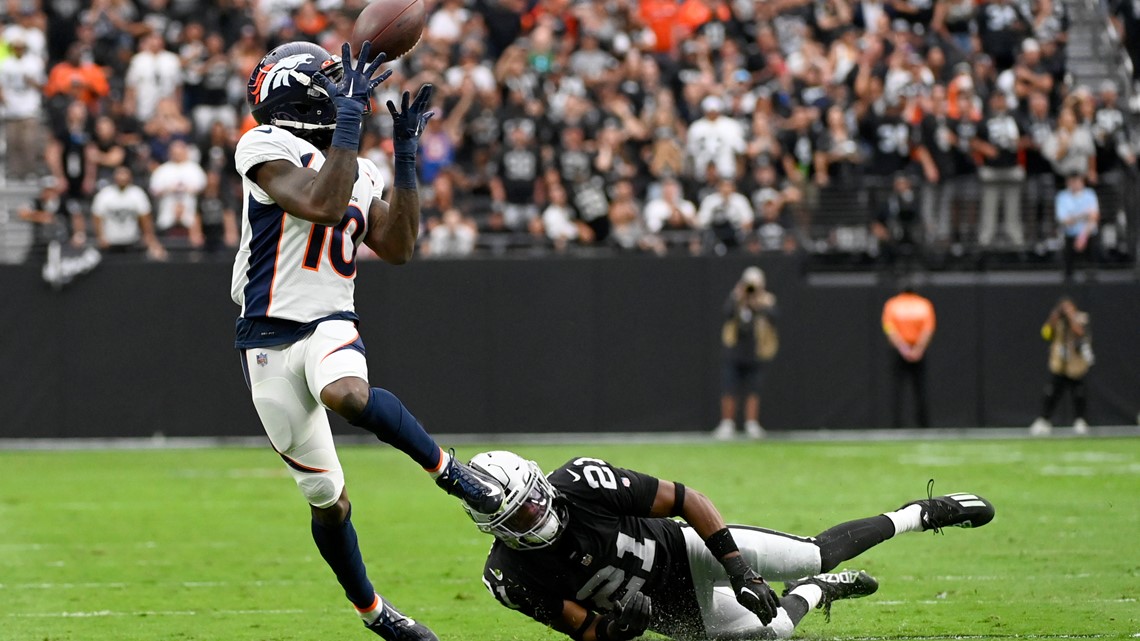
<point x="394" y="626"/>
<point x="480" y="491"/>
<point x="845" y="584"/>
<point x="953" y="510"/>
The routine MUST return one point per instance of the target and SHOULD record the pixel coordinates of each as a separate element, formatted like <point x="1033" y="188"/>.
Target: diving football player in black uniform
<point x="590" y="550"/>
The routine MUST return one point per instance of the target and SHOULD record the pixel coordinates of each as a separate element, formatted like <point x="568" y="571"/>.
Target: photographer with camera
<point x="1070" y="357"/>
<point x="750" y="341"/>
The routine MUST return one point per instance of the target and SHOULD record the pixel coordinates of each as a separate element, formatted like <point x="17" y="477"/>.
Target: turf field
<point x="213" y="544"/>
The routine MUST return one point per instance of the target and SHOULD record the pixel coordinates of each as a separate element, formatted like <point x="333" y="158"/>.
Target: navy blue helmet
<point x="282" y="92"/>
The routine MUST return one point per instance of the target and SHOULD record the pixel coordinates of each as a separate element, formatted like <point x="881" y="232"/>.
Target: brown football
<point x="392" y="26"/>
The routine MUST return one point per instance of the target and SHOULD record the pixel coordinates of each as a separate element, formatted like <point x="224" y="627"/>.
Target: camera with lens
<point x="750" y="288"/>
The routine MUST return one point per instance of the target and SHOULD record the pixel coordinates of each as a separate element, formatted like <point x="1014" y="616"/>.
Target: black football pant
<point x="903" y="373"/>
<point x="1055" y="389"/>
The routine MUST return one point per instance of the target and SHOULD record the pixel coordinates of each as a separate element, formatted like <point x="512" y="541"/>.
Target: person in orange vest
<point x="908" y="321"/>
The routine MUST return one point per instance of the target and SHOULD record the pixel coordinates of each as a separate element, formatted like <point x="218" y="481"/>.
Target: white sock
<point x="809" y="592"/>
<point x="444" y="461"/>
<point x="907" y="519"/>
<point x="373" y="613"/>
<point x="782" y="625"/>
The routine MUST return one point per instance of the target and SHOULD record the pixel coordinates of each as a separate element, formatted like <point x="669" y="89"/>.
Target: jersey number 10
<point x="342" y="249"/>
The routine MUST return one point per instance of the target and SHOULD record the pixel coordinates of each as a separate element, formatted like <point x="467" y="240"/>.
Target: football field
<point x="214" y="544"/>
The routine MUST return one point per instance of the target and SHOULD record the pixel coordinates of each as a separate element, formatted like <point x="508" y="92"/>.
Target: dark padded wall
<point x="533" y="346"/>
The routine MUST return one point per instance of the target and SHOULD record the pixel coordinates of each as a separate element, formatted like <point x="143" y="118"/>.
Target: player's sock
<point x="372" y="612"/>
<point x="906" y="519"/>
<point x="444" y="460"/>
<point x="340" y="549"/>
<point x="391" y="422"/>
<point x="849" y="540"/>
<point x="800" y="601"/>
<point x="807" y="594"/>
<point x="784" y="624"/>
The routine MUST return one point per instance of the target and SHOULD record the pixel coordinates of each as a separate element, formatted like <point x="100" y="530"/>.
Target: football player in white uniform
<point x="591" y="550"/>
<point x="309" y="203"/>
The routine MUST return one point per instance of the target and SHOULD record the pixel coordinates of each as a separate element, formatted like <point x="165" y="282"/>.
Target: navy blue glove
<point x="408" y="123"/>
<point x="353" y="93"/>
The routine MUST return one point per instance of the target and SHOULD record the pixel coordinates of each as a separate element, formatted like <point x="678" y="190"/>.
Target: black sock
<point x="796" y="607"/>
<point x="339" y="547"/>
<point x="849" y="540"/>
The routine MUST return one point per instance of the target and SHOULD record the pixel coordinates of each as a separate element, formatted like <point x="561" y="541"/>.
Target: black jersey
<point x="609" y="548"/>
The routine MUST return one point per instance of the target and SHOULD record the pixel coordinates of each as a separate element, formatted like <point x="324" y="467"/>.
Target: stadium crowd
<point x="698" y="126"/>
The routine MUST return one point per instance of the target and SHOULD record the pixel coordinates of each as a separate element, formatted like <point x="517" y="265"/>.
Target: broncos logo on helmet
<point x="282" y="92"/>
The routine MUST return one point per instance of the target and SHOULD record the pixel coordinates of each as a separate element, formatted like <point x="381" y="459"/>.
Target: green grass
<point x="214" y="544"/>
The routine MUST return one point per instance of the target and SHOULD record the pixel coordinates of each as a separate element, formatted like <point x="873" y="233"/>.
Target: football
<point x="392" y="26"/>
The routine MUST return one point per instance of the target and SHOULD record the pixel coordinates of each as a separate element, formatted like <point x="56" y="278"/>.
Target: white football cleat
<point x="1080" y="427"/>
<point x="753" y="430"/>
<point x="1041" y="427"/>
<point x="725" y="430"/>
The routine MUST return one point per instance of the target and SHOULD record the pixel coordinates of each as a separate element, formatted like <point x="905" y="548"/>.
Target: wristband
<point x="735" y="567"/>
<point x="349" y="114"/>
<point x="678" y="500"/>
<point x="581" y="631"/>
<point x="721" y="544"/>
<point x="602" y="632"/>
<point x="404" y="171"/>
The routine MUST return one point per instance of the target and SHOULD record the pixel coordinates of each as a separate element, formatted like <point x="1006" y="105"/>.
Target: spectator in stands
<point x="1126" y="20"/>
<point x="559" y="221"/>
<point x="670" y="212"/>
<point x="897" y="225"/>
<point x="628" y="230"/>
<point x="1000" y="138"/>
<point x="714" y="140"/>
<point x="121" y="217"/>
<point x="22" y="79"/>
<point x="217" y="215"/>
<point x="453" y="237"/>
<point x="909" y="323"/>
<point x="1070" y="357"/>
<point x="837" y="153"/>
<point x="154" y="74"/>
<point x="67" y="160"/>
<point x="726" y="216"/>
<point x="1040" y="181"/>
<point x="105" y="154"/>
<point x="76" y="78"/>
<point x="936" y="153"/>
<point x="1002" y="25"/>
<point x="45" y="213"/>
<point x="750" y="341"/>
<point x="1071" y="148"/>
<point x="1078" y="214"/>
<point x="175" y="186"/>
<point x="513" y="190"/>
<point x="1115" y="157"/>
<point x="208" y="74"/>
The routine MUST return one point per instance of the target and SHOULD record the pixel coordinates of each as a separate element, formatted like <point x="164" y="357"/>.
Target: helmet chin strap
<point x="306" y="126"/>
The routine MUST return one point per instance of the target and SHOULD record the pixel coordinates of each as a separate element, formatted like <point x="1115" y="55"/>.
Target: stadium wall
<point x="506" y="346"/>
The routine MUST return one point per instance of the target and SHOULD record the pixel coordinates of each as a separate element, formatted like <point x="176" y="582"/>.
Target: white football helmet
<point x="527" y="518"/>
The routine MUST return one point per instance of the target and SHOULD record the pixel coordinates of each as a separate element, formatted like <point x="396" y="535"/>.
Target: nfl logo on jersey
<point x="262" y="360"/>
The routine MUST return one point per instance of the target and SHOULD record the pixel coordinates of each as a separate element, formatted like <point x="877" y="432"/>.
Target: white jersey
<point x="287" y="268"/>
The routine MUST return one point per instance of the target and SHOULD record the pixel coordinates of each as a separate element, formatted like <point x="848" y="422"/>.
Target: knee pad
<point x="320" y="489"/>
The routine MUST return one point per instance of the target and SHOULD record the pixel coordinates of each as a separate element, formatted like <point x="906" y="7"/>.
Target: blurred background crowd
<point x="908" y="133"/>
